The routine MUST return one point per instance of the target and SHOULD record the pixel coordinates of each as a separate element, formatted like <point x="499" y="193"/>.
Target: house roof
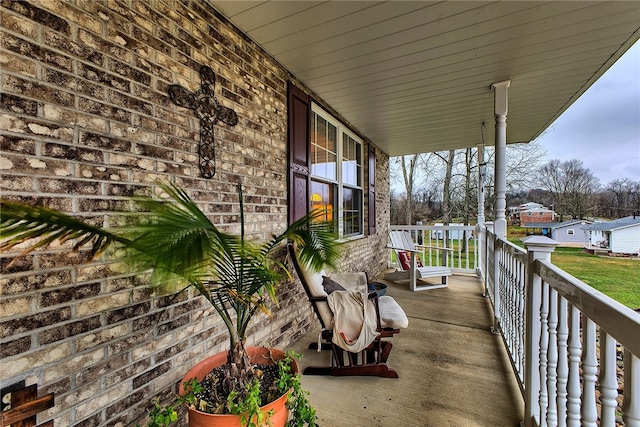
<point x="415" y="76"/>
<point x="535" y="209"/>
<point x="555" y="225"/>
<point x="614" y="225"/>
<point x="530" y="205"/>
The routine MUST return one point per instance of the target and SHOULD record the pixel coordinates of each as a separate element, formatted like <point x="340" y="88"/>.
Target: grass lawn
<point x="618" y="278"/>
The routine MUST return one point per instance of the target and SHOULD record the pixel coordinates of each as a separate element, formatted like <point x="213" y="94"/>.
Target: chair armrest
<point x="439" y="248"/>
<point x="402" y="249"/>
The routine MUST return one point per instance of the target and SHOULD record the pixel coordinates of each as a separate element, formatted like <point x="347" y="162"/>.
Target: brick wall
<point x="535" y="217"/>
<point x="85" y="121"/>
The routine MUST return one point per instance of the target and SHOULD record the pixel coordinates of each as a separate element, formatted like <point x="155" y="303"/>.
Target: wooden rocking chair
<point x="372" y="361"/>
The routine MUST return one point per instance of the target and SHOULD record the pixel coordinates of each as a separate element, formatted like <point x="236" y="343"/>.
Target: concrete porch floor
<point x="453" y="371"/>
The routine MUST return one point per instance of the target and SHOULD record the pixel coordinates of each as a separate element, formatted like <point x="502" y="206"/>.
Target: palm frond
<point x="315" y="240"/>
<point x="39" y="226"/>
<point x="174" y="239"/>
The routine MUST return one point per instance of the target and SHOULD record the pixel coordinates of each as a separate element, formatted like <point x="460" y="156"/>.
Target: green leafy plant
<point x="249" y="407"/>
<point x="301" y="412"/>
<point x="162" y="416"/>
<point x="174" y="240"/>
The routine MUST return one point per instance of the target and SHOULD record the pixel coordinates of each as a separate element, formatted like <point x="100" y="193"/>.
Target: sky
<point x="602" y="128"/>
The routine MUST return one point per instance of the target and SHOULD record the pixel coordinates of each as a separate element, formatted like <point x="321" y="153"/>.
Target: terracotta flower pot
<point x="258" y="355"/>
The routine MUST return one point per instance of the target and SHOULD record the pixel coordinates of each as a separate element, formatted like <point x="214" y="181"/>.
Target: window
<point x="336" y="173"/>
<point x="326" y="168"/>
<point x="570" y="232"/>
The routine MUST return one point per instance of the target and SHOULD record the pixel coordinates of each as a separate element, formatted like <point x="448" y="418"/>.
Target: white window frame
<point x="341" y="129"/>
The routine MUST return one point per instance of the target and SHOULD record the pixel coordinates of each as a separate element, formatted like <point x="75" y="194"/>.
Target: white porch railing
<point x="567" y="342"/>
<point x="434" y="239"/>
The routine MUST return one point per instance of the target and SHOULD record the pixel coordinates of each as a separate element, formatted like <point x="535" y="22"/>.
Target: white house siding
<point x="562" y="234"/>
<point x="626" y="240"/>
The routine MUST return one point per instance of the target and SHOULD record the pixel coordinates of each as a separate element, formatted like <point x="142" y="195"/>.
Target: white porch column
<point x="481" y="171"/>
<point x="500" y="111"/>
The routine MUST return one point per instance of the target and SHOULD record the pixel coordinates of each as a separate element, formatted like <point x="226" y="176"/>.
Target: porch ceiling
<point x="415" y="76"/>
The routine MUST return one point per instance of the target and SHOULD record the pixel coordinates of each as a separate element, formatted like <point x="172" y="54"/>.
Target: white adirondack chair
<point x="400" y="241"/>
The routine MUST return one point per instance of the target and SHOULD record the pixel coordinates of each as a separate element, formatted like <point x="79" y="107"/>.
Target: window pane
<point x="323" y="149"/>
<point x="351" y="161"/>
<point x="352" y="211"/>
<point x="323" y="197"/>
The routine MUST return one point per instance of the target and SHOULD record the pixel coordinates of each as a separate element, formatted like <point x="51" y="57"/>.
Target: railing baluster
<point x="608" y="380"/>
<point x="589" y="369"/>
<point x="544" y="345"/>
<point x="563" y="363"/>
<point x="521" y="323"/>
<point x="515" y="309"/>
<point x="631" y="402"/>
<point x="498" y="288"/>
<point x="575" y="349"/>
<point x="507" y="320"/>
<point x="552" y="359"/>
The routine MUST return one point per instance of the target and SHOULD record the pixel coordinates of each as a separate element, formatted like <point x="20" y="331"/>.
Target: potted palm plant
<point x="174" y="240"/>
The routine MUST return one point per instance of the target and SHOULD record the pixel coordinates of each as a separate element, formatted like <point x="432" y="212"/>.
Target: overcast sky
<point x="602" y="128"/>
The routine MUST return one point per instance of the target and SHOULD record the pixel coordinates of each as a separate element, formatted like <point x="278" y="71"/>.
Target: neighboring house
<point x="536" y="215"/>
<point x="530" y="212"/>
<point x="563" y="232"/>
<point x="621" y="236"/>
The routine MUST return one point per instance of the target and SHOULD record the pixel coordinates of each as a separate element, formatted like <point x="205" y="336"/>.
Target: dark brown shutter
<point x="372" y="190"/>
<point x="299" y="146"/>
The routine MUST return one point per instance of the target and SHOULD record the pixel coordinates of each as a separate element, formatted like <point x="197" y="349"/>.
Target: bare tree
<point x="572" y="185"/>
<point x="456" y="180"/>
<point x="448" y="158"/>
<point x="408" y="175"/>
<point x="551" y="179"/>
<point x="620" y="198"/>
<point x="522" y="160"/>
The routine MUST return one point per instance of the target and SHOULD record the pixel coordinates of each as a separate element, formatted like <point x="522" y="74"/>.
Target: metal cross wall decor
<point x="209" y="111"/>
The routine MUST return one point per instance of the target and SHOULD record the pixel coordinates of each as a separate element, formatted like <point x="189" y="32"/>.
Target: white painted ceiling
<point x="415" y="76"/>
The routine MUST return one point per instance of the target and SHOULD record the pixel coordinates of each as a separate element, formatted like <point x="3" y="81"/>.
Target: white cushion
<point x="314" y="281"/>
<point x="391" y="314"/>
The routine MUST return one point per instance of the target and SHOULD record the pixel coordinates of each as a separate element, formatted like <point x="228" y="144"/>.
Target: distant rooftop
<point x="554" y="225"/>
<point x="614" y="225"/>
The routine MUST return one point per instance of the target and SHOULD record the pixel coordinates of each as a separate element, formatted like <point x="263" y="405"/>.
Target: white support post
<point x="500" y="111"/>
<point x="480" y="230"/>
<point x="538" y="248"/>
<point x="482" y="169"/>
